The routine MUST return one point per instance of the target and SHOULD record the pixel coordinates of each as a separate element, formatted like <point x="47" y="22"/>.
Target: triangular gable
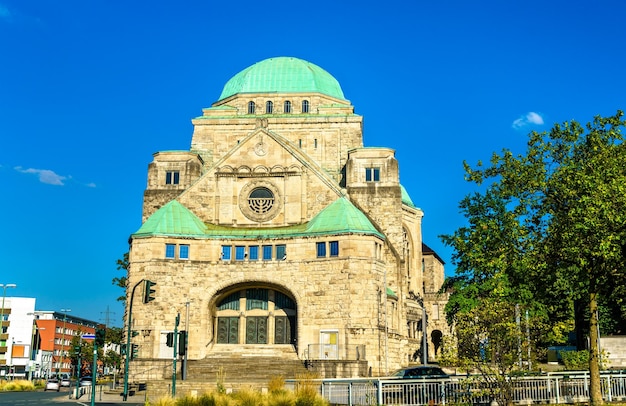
<point x="298" y="155"/>
<point x="173" y="219"/>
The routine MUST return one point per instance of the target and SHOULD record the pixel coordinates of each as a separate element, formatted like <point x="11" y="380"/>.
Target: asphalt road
<point x="40" y="398"/>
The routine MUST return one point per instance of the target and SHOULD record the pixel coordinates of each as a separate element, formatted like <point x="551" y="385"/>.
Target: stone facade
<point x="285" y="233"/>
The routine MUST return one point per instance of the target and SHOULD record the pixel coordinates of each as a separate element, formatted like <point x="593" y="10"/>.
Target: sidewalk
<point x="103" y="396"/>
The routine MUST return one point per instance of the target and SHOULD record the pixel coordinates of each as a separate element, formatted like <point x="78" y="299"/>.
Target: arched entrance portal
<point x="256" y="316"/>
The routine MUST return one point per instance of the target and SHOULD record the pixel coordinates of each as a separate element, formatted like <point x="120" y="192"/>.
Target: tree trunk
<point x="595" y="391"/>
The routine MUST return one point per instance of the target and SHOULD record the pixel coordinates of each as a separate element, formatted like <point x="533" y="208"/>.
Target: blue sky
<point x="90" y="89"/>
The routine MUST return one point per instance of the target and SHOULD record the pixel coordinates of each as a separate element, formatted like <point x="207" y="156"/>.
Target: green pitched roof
<point x="406" y="199"/>
<point x="339" y="217"/>
<point x="172" y="219"/>
<point x="283" y="75"/>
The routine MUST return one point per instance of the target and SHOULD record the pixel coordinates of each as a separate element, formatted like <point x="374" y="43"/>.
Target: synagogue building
<point x="279" y="235"/>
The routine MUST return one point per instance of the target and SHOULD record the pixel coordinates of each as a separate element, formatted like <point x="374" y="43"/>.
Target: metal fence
<point x="549" y="388"/>
<point x="335" y="352"/>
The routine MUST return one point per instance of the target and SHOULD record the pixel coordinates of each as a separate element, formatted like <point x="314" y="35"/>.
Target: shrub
<point x="282" y="398"/>
<point x="165" y="401"/>
<point x="20" y="385"/>
<point x="306" y="396"/>
<point x="306" y="391"/>
<point x="207" y="399"/>
<point x="248" y="397"/>
<point x="276" y="384"/>
<point x="575" y="360"/>
<point x="186" y="401"/>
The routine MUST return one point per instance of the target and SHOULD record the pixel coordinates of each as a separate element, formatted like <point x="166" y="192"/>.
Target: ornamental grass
<point x="304" y="395"/>
<point x="18" y="385"/>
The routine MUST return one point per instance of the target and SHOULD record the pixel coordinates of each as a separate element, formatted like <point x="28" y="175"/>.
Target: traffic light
<point x="170" y="340"/>
<point x="100" y="334"/>
<point x="148" y="291"/>
<point x="123" y="349"/>
<point x="135" y="351"/>
<point x="182" y="342"/>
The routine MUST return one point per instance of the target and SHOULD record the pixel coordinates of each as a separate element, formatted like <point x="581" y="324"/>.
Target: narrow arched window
<point x="251" y="107"/>
<point x="269" y="107"/>
<point x="287" y="107"/>
<point x="305" y="106"/>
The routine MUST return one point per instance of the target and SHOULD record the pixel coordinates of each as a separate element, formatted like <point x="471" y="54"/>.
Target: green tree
<point x="114" y="335"/>
<point x="551" y="223"/>
<point x="112" y="360"/>
<point x="491" y="341"/>
<point x="122" y="265"/>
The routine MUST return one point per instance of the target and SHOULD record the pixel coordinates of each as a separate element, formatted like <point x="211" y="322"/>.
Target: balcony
<point x="335" y="352"/>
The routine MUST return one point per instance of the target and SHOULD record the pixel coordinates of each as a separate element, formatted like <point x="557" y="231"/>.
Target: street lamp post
<point x="65" y="311"/>
<point x="4" y="287"/>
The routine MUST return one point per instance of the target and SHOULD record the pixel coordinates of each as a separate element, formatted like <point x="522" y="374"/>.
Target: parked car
<point x="52" y="384"/>
<point x="423" y="371"/>
<point x="85" y="380"/>
<point x="64" y="380"/>
<point x="424" y="389"/>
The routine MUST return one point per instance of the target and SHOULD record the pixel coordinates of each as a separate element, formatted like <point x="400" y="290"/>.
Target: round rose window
<point x="261" y="200"/>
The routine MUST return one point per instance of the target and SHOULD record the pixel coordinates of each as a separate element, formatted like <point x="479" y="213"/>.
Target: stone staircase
<point x="236" y="367"/>
<point x="246" y="366"/>
<point x="615" y="348"/>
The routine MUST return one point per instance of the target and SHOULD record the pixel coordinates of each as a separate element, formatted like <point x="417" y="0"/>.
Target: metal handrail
<point x="567" y="388"/>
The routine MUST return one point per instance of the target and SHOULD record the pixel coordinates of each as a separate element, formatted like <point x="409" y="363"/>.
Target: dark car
<point x="425" y="389"/>
<point x="420" y="372"/>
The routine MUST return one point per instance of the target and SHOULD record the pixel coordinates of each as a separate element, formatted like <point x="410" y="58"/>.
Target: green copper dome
<point x="283" y="75"/>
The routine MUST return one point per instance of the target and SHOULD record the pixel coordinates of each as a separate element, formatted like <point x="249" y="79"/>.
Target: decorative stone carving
<point x="260" y="200"/>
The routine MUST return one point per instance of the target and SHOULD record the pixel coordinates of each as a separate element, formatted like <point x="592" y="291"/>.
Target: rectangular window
<point x="240" y="253"/>
<point x="253" y="252"/>
<point x="334" y="248"/>
<point x="226" y="253"/>
<point x="267" y="253"/>
<point x="257" y="299"/>
<point x="170" y="250"/>
<point x="281" y="252"/>
<point x="321" y="250"/>
<point x="372" y="174"/>
<point x="183" y="252"/>
<point x="172" y="178"/>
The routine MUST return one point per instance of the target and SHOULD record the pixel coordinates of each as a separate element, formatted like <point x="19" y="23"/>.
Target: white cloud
<point x="45" y="175"/>
<point x="530" y="118"/>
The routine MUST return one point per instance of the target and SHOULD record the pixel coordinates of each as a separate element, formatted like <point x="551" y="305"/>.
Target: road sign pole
<point x="94" y="373"/>
<point x="128" y="347"/>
